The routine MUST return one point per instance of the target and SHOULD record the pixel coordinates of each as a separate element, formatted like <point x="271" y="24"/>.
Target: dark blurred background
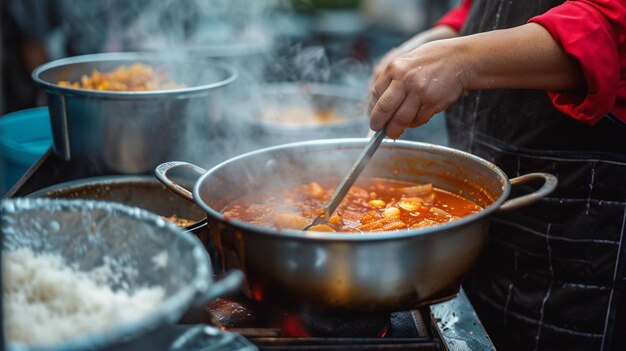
<point x="319" y="41"/>
<point x="37" y="31"/>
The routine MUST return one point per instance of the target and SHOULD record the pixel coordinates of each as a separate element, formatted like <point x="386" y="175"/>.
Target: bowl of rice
<point x="83" y="274"/>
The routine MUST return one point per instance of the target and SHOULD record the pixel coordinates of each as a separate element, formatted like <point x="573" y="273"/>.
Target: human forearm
<point x="432" y="34"/>
<point x="525" y="57"/>
<point x="424" y="81"/>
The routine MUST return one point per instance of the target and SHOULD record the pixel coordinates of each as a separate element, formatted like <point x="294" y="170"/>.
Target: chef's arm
<point x="422" y="82"/>
<point x="522" y="57"/>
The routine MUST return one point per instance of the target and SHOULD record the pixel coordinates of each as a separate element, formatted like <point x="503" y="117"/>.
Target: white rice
<point x="46" y="302"/>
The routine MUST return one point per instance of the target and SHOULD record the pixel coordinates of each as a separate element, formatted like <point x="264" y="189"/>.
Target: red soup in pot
<point x="371" y="205"/>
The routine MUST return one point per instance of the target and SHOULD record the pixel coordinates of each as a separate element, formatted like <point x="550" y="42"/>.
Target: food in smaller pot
<point x="371" y="205"/>
<point x="181" y="222"/>
<point x="135" y="77"/>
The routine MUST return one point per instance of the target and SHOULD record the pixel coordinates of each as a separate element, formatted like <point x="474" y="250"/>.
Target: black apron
<point x="551" y="276"/>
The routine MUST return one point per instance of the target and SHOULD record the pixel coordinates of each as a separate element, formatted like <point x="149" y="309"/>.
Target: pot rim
<point x="103" y="180"/>
<point x="230" y="73"/>
<point x="351" y="237"/>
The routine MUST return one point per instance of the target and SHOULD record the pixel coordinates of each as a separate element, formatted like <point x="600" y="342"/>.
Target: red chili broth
<point x="371" y="205"/>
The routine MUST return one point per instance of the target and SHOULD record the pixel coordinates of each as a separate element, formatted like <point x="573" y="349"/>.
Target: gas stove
<point x="241" y="324"/>
<point x="450" y="325"/>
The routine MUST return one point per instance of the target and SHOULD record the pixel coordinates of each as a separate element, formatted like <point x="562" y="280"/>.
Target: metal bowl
<point x="88" y="233"/>
<point x="131" y="132"/>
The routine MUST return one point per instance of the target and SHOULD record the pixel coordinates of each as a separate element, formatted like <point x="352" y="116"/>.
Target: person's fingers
<point x="404" y="116"/>
<point x="386" y="106"/>
<point x="371" y="102"/>
<point x="379" y="68"/>
<point x="380" y="86"/>
<point x="420" y="119"/>
<point x="426" y="112"/>
<point x="416" y="122"/>
<point x="439" y="98"/>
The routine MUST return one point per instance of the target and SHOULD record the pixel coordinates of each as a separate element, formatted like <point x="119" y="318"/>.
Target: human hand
<point x="426" y="80"/>
<point x="414" y="86"/>
<point x="384" y="62"/>
<point x="432" y="34"/>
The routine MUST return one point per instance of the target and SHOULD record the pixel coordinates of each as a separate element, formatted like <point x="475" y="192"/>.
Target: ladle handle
<point x="222" y="286"/>
<point x="549" y="185"/>
<point x="354" y="173"/>
<point x="192" y="172"/>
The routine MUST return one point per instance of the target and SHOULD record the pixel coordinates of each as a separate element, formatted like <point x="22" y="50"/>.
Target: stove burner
<point x="346" y="324"/>
<point x="240" y="313"/>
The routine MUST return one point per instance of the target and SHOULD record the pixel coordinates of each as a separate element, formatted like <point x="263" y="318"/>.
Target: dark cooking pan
<point x="140" y="191"/>
<point x="355" y="272"/>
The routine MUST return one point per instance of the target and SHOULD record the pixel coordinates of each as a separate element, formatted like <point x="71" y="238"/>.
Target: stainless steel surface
<point x="420" y="323"/>
<point x="84" y="232"/>
<point x="132" y="190"/>
<point x="459" y="326"/>
<point x="366" y="272"/>
<point x="349" y="179"/>
<point x="131" y="132"/>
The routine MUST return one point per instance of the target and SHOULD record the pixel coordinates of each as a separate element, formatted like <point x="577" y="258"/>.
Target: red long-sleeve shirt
<point x="593" y="32"/>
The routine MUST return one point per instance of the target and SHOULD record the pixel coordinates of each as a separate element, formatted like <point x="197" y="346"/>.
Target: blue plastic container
<point x="24" y="137"/>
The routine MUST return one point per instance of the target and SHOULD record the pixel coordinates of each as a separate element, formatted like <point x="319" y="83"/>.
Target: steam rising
<point x="252" y="36"/>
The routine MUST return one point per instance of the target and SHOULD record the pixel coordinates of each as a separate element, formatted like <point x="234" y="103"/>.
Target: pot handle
<point x="191" y="172"/>
<point x="550" y="183"/>
<point x="222" y="286"/>
<point x="196" y="313"/>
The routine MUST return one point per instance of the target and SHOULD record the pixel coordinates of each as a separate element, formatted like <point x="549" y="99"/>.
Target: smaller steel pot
<point x="130" y="132"/>
<point x="140" y="191"/>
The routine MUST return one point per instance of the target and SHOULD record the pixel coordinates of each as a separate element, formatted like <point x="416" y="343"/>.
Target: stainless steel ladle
<point x="349" y="179"/>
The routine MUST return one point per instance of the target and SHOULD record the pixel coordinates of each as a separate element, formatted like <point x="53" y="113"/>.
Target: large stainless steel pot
<point x="131" y="132"/>
<point x="341" y="271"/>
